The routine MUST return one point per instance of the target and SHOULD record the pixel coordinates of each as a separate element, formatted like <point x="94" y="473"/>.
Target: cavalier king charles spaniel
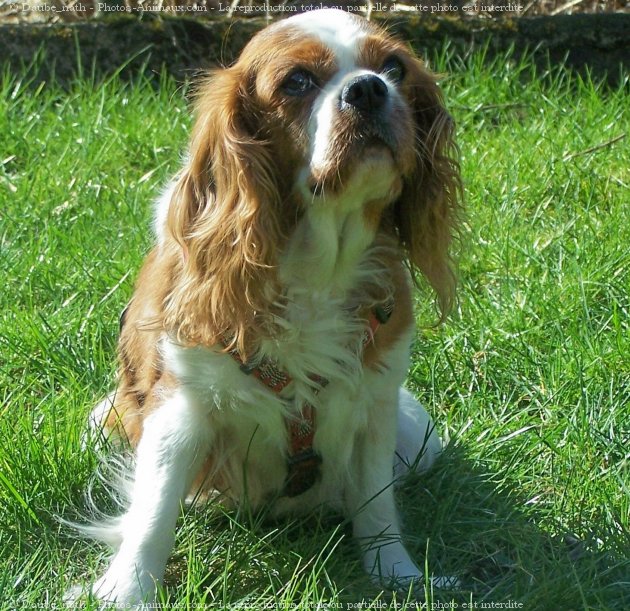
<point x="263" y="351"/>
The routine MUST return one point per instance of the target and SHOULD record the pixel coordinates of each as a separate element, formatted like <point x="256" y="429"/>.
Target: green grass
<point x="530" y="376"/>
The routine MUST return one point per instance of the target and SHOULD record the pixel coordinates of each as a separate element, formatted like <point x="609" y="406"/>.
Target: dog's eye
<point x="394" y="69"/>
<point x="298" y="83"/>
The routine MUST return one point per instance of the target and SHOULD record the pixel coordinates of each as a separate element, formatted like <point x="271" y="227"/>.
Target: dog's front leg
<point x="174" y="442"/>
<point x="370" y="499"/>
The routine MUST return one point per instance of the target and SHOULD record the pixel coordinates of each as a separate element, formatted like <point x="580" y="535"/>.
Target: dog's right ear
<point x="229" y="173"/>
<point x="224" y="215"/>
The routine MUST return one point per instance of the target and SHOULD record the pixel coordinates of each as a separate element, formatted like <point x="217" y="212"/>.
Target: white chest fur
<point x="248" y="421"/>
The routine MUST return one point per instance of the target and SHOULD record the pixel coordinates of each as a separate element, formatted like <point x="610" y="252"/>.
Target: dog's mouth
<point x="374" y="135"/>
<point x="372" y="145"/>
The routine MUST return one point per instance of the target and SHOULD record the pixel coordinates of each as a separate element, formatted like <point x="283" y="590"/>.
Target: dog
<point x="263" y="352"/>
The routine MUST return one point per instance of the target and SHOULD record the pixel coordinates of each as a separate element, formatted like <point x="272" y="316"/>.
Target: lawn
<point x="530" y="375"/>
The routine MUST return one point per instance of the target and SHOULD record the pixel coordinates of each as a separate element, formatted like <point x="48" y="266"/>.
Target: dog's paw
<point x="123" y="586"/>
<point x="391" y="567"/>
<point x="400" y="575"/>
<point x="127" y="590"/>
<point x="391" y="564"/>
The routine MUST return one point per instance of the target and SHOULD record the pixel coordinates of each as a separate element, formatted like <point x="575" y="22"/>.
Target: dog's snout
<point x="365" y="93"/>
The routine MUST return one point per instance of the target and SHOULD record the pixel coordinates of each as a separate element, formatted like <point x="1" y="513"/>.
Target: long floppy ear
<point x="224" y="215"/>
<point x="427" y="212"/>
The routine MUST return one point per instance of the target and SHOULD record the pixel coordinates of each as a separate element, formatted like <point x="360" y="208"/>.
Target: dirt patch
<point x="128" y="42"/>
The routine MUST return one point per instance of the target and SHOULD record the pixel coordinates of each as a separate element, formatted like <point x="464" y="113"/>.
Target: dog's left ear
<point x="427" y="212"/>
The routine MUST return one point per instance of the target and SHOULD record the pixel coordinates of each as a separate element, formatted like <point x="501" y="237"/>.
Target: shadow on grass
<point x="504" y="548"/>
<point x="465" y="519"/>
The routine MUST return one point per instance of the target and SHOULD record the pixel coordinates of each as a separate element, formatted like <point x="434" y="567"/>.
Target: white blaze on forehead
<point x="338" y="30"/>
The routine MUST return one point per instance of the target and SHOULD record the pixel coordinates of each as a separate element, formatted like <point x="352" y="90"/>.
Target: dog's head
<point x="321" y="109"/>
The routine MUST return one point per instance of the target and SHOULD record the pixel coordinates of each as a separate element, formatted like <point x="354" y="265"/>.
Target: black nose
<point x="366" y="93"/>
